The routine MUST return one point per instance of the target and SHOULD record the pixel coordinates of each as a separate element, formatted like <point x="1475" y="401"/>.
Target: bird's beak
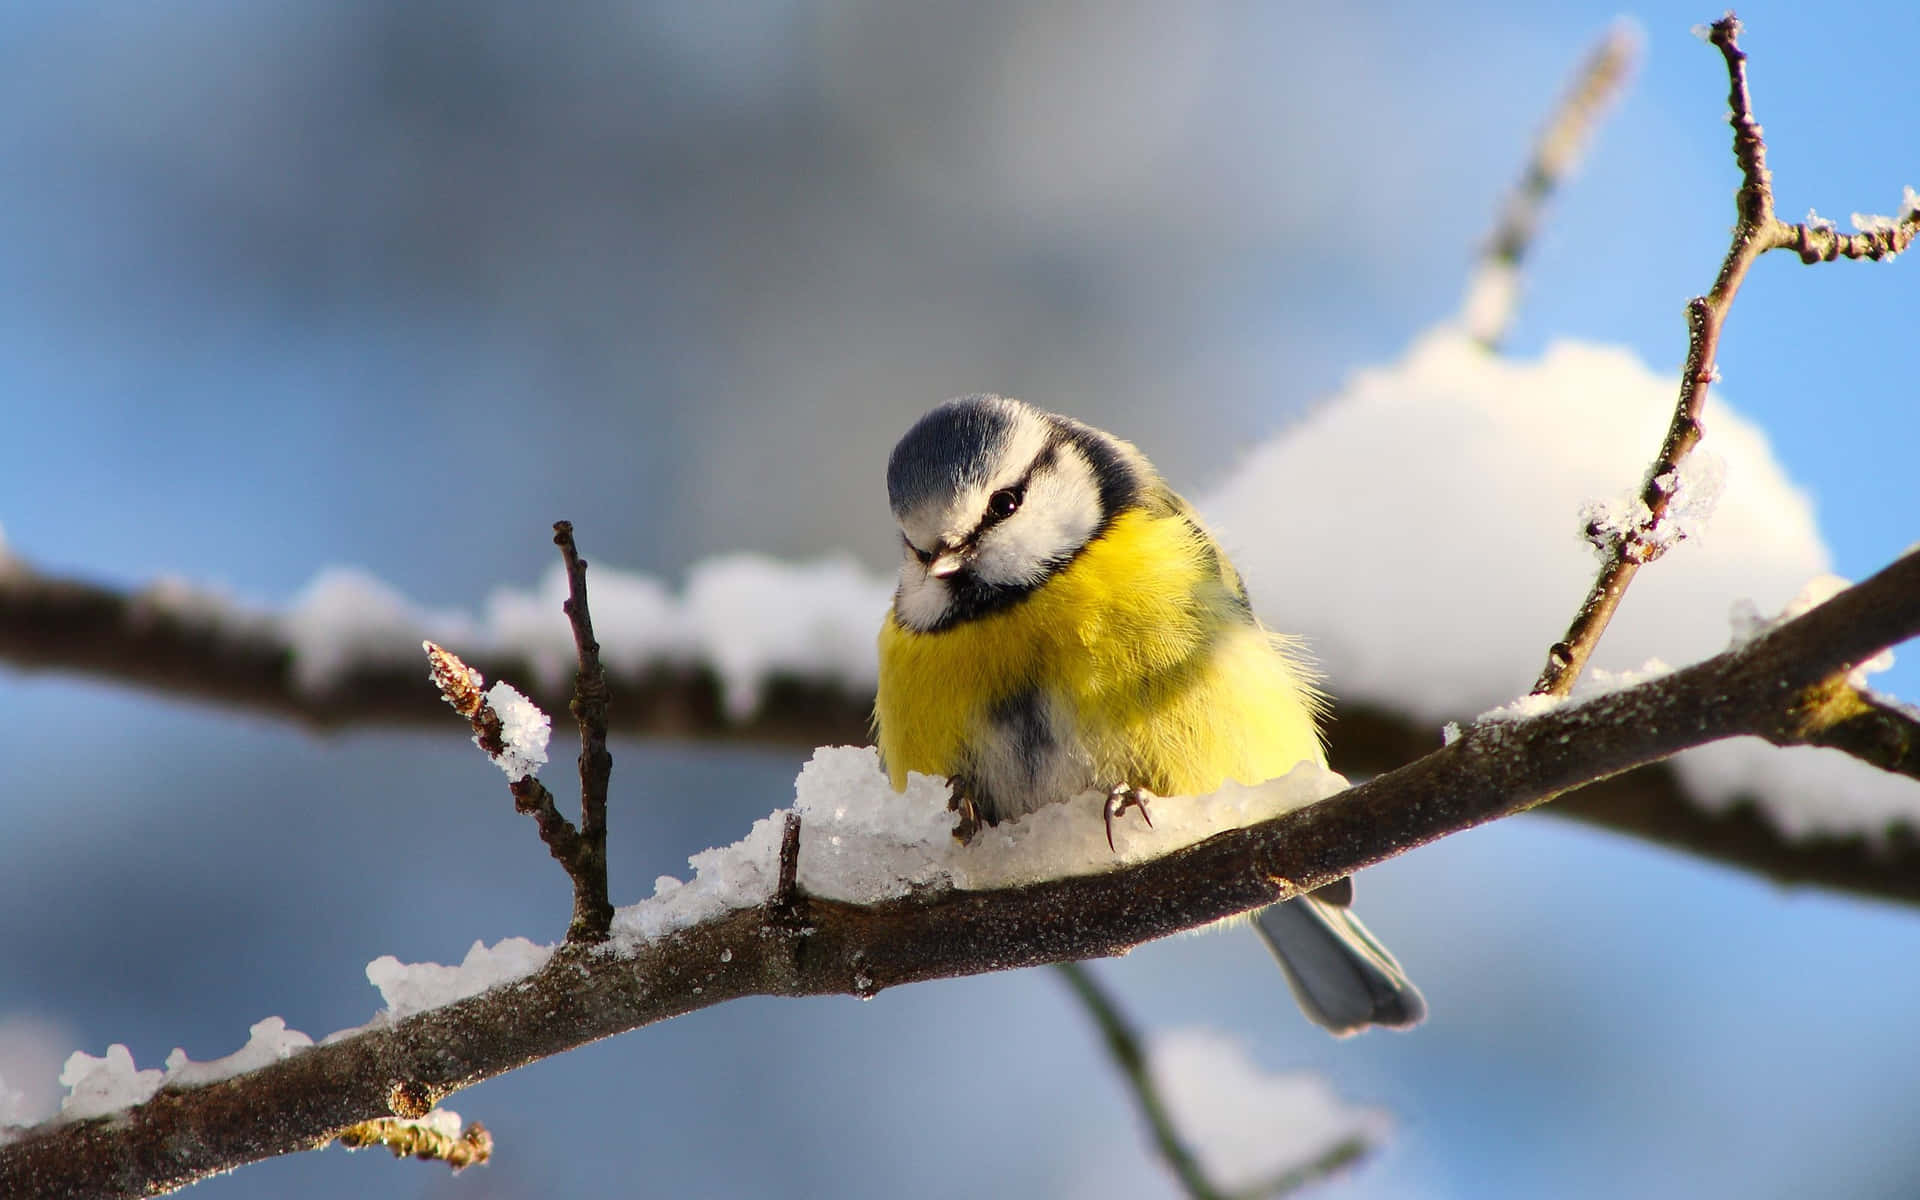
<point x="945" y="564"/>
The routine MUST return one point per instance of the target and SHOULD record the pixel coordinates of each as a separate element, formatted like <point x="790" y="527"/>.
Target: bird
<point x="1063" y="623"/>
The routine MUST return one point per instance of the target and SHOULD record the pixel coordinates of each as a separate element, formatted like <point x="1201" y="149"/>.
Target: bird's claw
<point x="968" y="826"/>
<point x="1120" y="798"/>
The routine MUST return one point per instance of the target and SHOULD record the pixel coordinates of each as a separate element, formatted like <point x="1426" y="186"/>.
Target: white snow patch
<point x="443" y="1121"/>
<point x="1520" y="708"/>
<point x="635" y="620"/>
<point x="268" y="1042"/>
<point x="97" y="1087"/>
<point x="752" y="617"/>
<point x="1748" y="623"/>
<point x="1452" y="481"/>
<point x="1598" y="681"/>
<point x="724" y="878"/>
<point x="1246" y="1124"/>
<point x="524" y="730"/>
<point x="31" y="1052"/>
<point x="1473" y="558"/>
<point x="747" y="617"/>
<point x="347" y="616"/>
<point x="862" y="842"/>
<point x="409" y="988"/>
<point x="1805" y="791"/>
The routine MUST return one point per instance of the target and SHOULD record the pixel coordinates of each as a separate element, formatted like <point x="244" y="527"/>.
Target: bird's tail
<point x="1343" y="978"/>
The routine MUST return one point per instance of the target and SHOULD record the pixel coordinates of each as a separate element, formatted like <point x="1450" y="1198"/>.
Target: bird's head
<point x="993" y="496"/>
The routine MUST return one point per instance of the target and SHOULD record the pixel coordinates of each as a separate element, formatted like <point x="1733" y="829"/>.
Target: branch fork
<point x="1757" y="231"/>
<point x="582" y="850"/>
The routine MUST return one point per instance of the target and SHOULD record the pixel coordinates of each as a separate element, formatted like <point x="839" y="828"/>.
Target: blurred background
<point x="290" y="283"/>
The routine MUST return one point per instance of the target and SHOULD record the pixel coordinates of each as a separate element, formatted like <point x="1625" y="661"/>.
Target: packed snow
<point x="97" y="1087"/>
<point x="409" y="988"/>
<point x="862" y="842"/>
<point x="1245" y="1124"/>
<point x="268" y="1042"/>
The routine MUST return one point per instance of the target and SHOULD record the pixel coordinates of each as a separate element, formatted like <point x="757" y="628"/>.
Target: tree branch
<point x="1756" y="232"/>
<point x="79" y="627"/>
<point x="582" y="851"/>
<point x="1492" y="291"/>
<point x="592" y="910"/>
<point x="145" y="639"/>
<point x="585" y="992"/>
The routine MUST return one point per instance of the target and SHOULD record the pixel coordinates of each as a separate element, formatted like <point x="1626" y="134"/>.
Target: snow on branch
<point x="1252" y="1134"/>
<point x="767" y="931"/>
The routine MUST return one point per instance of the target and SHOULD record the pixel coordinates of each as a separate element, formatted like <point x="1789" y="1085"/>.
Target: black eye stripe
<point x="925" y="556"/>
<point x="1007" y="500"/>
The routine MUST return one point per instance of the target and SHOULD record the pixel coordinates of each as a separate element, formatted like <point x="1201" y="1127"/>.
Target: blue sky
<point x="288" y="285"/>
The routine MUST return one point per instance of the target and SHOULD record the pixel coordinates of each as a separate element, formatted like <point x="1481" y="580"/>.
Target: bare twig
<point x="593" y="910"/>
<point x="422" y="1140"/>
<point x="586" y="993"/>
<point x="1335" y="1158"/>
<point x="1123" y="1044"/>
<point x="1756" y="232"/>
<point x="583" y="850"/>
<point x="786" y="893"/>
<point x="1491" y="293"/>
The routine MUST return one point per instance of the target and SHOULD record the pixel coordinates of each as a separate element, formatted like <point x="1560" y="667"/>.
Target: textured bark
<point x="794" y="945"/>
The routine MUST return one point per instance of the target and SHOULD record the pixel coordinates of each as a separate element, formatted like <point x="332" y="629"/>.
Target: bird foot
<point x="968" y="826"/>
<point x="1120" y="798"/>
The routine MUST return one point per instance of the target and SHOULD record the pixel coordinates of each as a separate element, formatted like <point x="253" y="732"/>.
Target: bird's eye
<point x="925" y="556"/>
<point x="1005" y="502"/>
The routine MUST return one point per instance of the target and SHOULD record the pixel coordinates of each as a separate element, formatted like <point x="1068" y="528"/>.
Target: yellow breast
<point x="1170" y="686"/>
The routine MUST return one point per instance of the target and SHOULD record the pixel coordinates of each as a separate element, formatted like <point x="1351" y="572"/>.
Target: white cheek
<point x="1059" y="515"/>
<point x="922" y="600"/>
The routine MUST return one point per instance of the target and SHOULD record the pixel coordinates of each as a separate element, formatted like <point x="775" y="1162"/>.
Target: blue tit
<point x="1064" y="623"/>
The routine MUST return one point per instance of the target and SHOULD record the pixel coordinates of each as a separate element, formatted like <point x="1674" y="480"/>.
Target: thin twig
<point x="1123" y="1045"/>
<point x="1328" y="1162"/>
<point x="1493" y="290"/>
<point x="460" y="686"/>
<point x="593" y="910"/>
<point x="786" y="893"/>
<point x="1756" y="232"/>
<point x="584" y="993"/>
